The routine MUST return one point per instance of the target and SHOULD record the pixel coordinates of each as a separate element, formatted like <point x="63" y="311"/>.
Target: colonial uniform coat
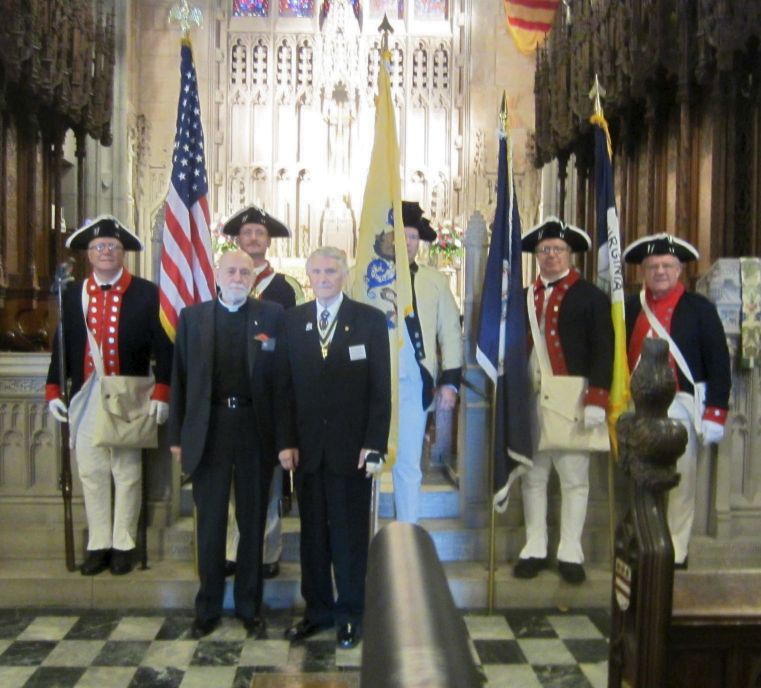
<point x="124" y="320"/>
<point x="693" y="323"/>
<point x="336" y="406"/>
<point x="436" y="335"/>
<point x="578" y="335"/>
<point x="223" y="440"/>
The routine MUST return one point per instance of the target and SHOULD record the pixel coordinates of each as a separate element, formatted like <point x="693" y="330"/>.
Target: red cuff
<point x="52" y="392"/>
<point x="596" y="396"/>
<point x="716" y="414"/>
<point x="160" y="392"/>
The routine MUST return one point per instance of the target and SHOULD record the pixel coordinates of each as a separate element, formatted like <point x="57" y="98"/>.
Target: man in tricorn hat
<point x="699" y="358"/>
<point x="121" y="312"/>
<point x="575" y="330"/>
<point x="429" y="363"/>
<point x="254" y="229"/>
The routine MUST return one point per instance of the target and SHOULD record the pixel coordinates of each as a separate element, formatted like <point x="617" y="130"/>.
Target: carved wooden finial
<point x="597" y="94"/>
<point x="385" y="28"/>
<point x="186" y="16"/>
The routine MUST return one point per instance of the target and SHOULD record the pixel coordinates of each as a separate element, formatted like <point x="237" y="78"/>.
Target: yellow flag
<point x="381" y="274"/>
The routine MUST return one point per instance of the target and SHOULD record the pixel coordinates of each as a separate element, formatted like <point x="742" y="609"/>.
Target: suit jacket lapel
<point x="344" y="319"/>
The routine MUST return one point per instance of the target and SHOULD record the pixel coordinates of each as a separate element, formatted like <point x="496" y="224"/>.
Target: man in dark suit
<point x="253" y="230"/>
<point x="334" y="366"/>
<point x="221" y="426"/>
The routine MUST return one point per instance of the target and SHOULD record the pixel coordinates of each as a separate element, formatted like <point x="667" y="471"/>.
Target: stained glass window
<point x="431" y="9"/>
<point x="394" y="8"/>
<point x="251" y="8"/>
<point x="296" y="8"/>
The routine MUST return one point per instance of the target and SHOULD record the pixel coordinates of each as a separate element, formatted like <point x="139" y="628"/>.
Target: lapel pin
<point x="346" y="328"/>
<point x="309" y="327"/>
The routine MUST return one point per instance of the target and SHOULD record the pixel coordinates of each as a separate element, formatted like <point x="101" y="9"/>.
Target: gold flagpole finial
<point x="597" y="94"/>
<point x="385" y="28"/>
<point x="186" y="16"/>
<point x="503" y="114"/>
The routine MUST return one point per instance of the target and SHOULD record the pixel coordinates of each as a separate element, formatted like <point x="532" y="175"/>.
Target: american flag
<point x="186" y="274"/>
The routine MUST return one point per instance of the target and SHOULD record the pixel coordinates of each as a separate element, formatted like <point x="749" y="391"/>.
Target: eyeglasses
<point x="105" y="248"/>
<point x="554" y="250"/>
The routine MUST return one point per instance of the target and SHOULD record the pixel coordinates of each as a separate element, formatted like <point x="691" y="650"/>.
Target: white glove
<point x="58" y="410"/>
<point x="712" y="432"/>
<point x="159" y="410"/>
<point x="374" y="467"/>
<point x="593" y="416"/>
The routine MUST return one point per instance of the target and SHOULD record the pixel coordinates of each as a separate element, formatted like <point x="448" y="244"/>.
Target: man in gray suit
<point x="222" y="429"/>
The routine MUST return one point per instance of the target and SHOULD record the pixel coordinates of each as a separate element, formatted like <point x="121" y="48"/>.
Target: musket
<point x="62" y="277"/>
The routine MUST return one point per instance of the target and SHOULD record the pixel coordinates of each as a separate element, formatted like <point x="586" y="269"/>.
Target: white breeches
<point x="97" y="466"/>
<point x="573" y="472"/>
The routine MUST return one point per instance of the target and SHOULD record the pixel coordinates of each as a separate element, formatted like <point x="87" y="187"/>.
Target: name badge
<point x="357" y="352"/>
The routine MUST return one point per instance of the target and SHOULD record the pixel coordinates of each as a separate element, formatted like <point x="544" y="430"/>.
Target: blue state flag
<point x="501" y="349"/>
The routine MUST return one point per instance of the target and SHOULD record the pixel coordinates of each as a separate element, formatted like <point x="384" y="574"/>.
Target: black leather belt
<point x="233" y="402"/>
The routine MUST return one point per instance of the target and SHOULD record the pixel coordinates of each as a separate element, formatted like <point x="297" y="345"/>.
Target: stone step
<point x="173" y="585"/>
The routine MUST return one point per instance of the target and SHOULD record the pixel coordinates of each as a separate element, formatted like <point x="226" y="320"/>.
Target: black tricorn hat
<point x="275" y="228"/>
<point x="660" y="245"/>
<point x="104" y="227"/>
<point x="412" y="216"/>
<point x="554" y="228"/>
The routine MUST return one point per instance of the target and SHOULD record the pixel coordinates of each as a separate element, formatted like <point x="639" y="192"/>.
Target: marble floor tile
<point x="48" y="628"/>
<point x="244" y="676"/>
<point x="4" y="645"/>
<point x="596" y="674"/>
<point x="217" y="653"/>
<point x="312" y="656"/>
<point x="229" y="629"/>
<point x="488" y="627"/>
<point x="561" y="676"/>
<point x="74" y="653"/>
<point x="529" y="623"/>
<point x="349" y="659"/>
<point x="512" y="675"/>
<point x="98" y="626"/>
<point x="148" y="677"/>
<point x="165" y="653"/>
<point x="26" y="652"/>
<point x="15" y="676"/>
<point x="175" y="627"/>
<point x="574" y="626"/>
<point x="122" y="653"/>
<point x="545" y="651"/>
<point x="261" y="653"/>
<point x="206" y="676"/>
<point x="13" y="622"/>
<point x="137" y="628"/>
<point x="588" y="651"/>
<point x="55" y="677"/>
<point x="106" y="677"/>
<point x="499" y="652"/>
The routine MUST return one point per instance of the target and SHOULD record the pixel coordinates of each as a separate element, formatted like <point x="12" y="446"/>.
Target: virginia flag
<point x="186" y="275"/>
<point x="501" y="349"/>
<point x="382" y="274"/>
<point x="610" y="275"/>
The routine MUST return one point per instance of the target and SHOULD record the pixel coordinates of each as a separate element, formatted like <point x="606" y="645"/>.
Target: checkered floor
<point x="97" y="649"/>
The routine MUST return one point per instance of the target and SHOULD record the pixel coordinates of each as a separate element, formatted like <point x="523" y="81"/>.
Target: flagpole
<point x="493" y="437"/>
<point x="596" y="95"/>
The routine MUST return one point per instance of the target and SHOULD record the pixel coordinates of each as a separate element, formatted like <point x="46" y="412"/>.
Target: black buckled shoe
<point x="348" y="636"/>
<point x="121" y="561"/>
<point x="682" y="565"/>
<point x="270" y="570"/>
<point x="97" y="561"/>
<point x="256" y="626"/>
<point x="571" y="573"/>
<point x="202" y="627"/>
<point x="230" y="567"/>
<point x="303" y="629"/>
<point x="529" y="567"/>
